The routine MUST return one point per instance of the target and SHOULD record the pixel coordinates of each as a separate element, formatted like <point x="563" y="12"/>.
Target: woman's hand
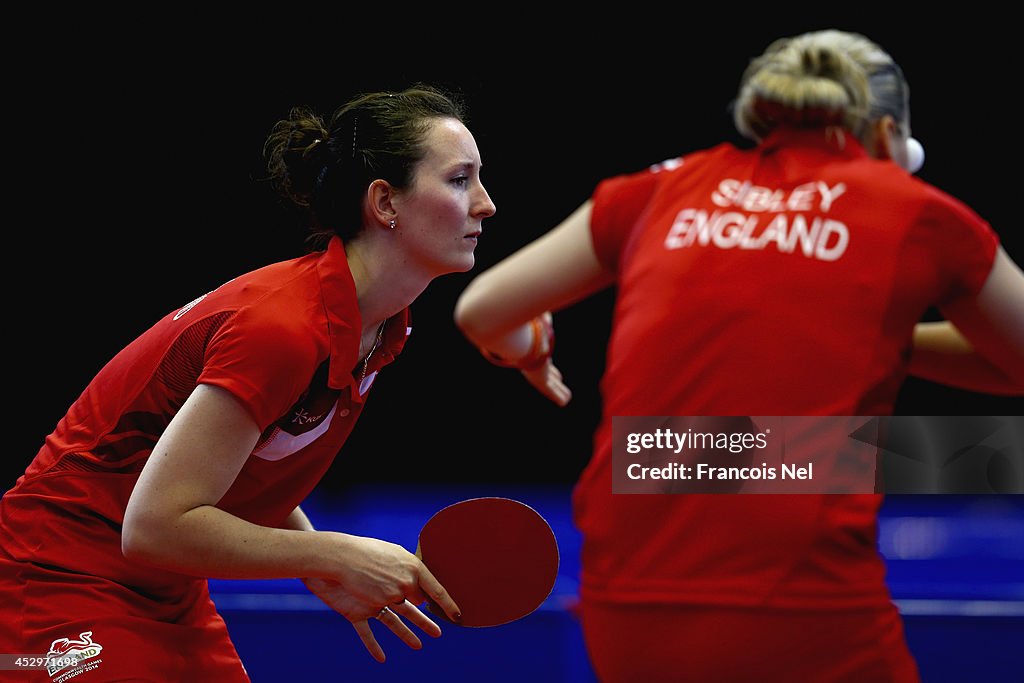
<point x="383" y="581"/>
<point x="547" y="379"/>
<point x="551" y="273"/>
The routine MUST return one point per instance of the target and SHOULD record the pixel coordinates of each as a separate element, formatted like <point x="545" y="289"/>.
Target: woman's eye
<point x="460" y="181"/>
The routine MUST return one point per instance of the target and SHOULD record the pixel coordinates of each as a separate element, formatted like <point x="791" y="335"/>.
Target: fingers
<point x="416" y="618"/>
<point x="557" y="390"/>
<point x="409" y="581"/>
<point x="548" y="380"/>
<point x="388" y="617"/>
<point x="391" y="617"/>
<point x="437" y="593"/>
<point x="366" y="635"/>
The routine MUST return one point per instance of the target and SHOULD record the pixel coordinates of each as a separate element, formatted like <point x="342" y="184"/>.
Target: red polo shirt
<point x="283" y="339"/>
<point x="780" y="280"/>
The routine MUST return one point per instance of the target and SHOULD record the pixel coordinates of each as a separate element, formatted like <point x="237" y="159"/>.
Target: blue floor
<point x="956" y="571"/>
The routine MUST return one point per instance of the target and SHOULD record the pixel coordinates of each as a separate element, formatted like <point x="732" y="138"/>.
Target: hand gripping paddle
<point x="496" y="557"/>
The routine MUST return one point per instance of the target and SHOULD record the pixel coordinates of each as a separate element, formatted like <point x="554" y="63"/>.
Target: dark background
<point x="133" y="157"/>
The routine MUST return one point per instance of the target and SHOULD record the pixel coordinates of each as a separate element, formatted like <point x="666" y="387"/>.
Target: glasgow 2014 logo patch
<point x="79" y="655"/>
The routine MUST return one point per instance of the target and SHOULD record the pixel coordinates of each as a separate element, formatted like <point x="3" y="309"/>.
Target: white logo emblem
<point x="188" y="307"/>
<point x="67" y="653"/>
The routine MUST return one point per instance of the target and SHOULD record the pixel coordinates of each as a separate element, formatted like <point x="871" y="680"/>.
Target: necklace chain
<point x="376" y="343"/>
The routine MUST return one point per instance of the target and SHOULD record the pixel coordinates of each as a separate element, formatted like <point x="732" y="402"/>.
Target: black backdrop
<point x="134" y="153"/>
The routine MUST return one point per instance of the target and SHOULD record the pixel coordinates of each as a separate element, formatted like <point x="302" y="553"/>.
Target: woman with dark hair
<point x="189" y="453"/>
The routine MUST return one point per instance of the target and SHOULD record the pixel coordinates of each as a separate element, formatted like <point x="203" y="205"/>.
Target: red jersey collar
<point x="833" y="139"/>
<point x="345" y="321"/>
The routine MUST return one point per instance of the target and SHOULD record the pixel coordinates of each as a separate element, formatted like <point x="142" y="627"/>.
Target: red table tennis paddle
<point x="496" y="557"/>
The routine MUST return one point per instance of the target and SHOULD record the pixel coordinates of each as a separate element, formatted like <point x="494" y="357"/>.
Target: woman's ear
<point x="885" y="135"/>
<point x="380" y="197"/>
<point x="887" y="140"/>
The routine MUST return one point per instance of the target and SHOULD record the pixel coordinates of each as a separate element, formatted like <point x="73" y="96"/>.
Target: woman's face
<point x="439" y="216"/>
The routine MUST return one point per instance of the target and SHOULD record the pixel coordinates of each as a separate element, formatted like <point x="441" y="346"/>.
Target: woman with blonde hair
<point x="787" y="278"/>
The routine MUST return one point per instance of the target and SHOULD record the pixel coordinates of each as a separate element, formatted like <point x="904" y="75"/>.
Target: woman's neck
<point x="384" y="285"/>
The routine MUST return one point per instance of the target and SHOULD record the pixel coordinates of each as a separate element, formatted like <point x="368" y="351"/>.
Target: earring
<point x="391" y="224"/>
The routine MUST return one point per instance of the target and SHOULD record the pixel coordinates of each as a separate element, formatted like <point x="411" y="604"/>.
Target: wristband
<point x="542" y="335"/>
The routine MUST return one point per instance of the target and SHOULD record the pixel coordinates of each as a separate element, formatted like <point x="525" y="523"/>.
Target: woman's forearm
<point x="552" y="272"/>
<point x="943" y="355"/>
<point x="207" y="541"/>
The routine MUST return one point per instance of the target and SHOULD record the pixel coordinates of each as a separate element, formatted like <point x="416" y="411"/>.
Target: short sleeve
<point x="263" y="360"/>
<point x="618" y="203"/>
<point x="965" y="244"/>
